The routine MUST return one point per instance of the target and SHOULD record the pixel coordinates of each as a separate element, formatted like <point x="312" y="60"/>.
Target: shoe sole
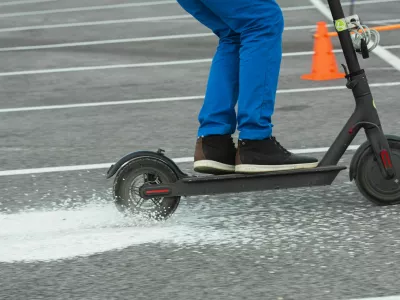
<point x="213" y="167"/>
<point x="270" y="168"/>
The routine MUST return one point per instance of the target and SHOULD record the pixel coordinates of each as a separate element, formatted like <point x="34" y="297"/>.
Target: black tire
<point x="129" y="201"/>
<point x="370" y="181"/>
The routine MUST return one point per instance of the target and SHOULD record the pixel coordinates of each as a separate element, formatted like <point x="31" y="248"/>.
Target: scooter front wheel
<point x="132" y="176"/>
<point x="370" y="180"/>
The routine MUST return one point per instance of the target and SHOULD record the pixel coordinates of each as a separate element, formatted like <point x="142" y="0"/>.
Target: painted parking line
<point x="108" y="42"/>
<point x="393" y="47"/>
<point x="106" y="67"/>
<point x="135" y="65"/>
<point x="378" y="298"/>
<point x="388" y="21"/>
<point x="88" y="8"/>
<point x="95" y="23"/>
<point x="107" y="165"/>
<point x="116" y="41"/>
<point x="132" y="40"/>
<point x="174" y="99"/>
<point x="122" y="21"/>
<point x="148" y="3"/>
<point x="149" y="19"/>
<point x="12" y="3"/>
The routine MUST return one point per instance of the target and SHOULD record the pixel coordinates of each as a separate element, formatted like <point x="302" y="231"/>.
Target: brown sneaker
<point x="215" y="154"/>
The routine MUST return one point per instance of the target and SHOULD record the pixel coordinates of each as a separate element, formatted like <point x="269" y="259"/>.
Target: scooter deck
<point x="238" y="183"/>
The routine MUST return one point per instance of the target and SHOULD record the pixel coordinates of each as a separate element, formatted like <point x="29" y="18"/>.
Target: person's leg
<point x="217" y="115"/>
<point x="260" y="25"/>
<point x="215" y="152"/>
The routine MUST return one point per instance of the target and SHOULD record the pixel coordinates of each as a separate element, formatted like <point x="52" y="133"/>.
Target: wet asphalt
<point x="61" y="236"/>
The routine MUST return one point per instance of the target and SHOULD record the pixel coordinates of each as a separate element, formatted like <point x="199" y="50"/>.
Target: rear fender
<point x="140" y="154"/>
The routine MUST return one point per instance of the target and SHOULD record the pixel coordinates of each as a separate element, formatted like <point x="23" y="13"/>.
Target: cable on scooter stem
<point x="366" y="34"/>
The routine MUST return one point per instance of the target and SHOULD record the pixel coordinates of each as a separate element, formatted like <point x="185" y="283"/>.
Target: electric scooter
<point x="150" y="178"/>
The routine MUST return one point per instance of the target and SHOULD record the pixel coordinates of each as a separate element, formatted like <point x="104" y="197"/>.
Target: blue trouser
<point x="245" y="68"/>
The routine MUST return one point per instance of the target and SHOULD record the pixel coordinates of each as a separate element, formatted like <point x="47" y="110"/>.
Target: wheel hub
<point x="373" y="181"/>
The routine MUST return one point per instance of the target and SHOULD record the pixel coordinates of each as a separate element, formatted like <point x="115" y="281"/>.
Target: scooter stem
<point x="344" y="37"/>
<point x="365" y="114"/>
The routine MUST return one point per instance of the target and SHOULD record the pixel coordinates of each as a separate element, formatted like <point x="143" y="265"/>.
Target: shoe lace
<point x="279" y="145"/>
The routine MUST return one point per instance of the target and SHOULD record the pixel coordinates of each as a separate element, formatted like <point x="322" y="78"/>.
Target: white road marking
<point x="136" y="65"/>
<point x="54" y="169"/>
<point x="388" y="21"/>
<point x="126" y="5"/>
<point x="155" y="38"/>
<point x="139" y="39"/>
<point x="112" y="6"/>
<point x="171" y="99"/>
<point x="393" y="47"/>
<point x="368" y="2"/>
<point x="11" y="3"/>
<point x="88" y="8"/>
<point x="122" y="66"/>
<point x="132" y="40"/>
<point x="107" y="165"/>
<point x="146" y="19"/>
<point x="384" y="54"/>
<point x="107" y="22"/>
<point x="122" y="21"/>
<point x="388" y="56"/>
<point x="303" y="90"/>
<point x="105" y="42"/>
<point x="379" y="298"/>
<point x="94" y="104"/>
<point x="77" y="69"/>
<point x="366" y="22"/>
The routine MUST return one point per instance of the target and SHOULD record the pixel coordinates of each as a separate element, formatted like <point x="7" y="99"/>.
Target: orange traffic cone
<point x="324" y="65"/>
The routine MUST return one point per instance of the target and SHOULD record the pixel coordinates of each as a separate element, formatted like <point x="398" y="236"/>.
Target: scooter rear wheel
<point x="135" y="174"/>
<point x="371" y="182"/>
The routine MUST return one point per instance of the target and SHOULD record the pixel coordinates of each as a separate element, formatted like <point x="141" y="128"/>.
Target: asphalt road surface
<point x="68" y="111"/>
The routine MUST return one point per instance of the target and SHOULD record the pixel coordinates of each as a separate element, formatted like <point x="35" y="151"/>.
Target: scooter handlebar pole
<point x="344" y="37"/>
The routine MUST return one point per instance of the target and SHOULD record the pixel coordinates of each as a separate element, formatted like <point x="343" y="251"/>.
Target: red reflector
<point x="152" y="192"/>
<point x="386" y="159"/>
